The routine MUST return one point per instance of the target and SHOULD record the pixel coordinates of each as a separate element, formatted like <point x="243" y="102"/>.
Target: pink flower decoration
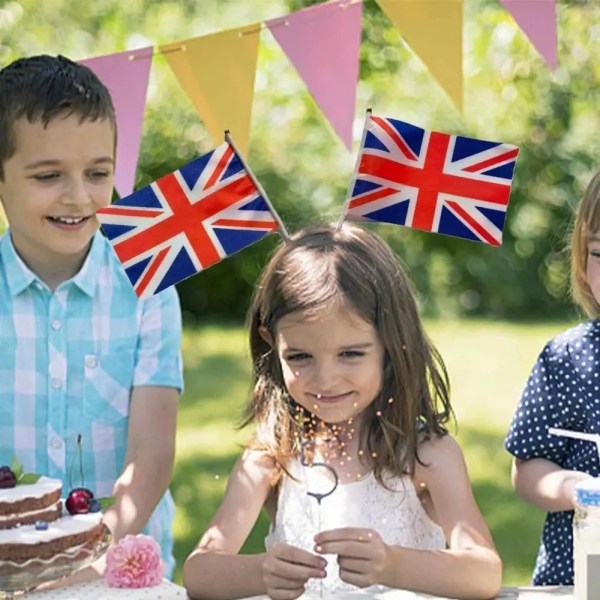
<point x="134" y="562"/>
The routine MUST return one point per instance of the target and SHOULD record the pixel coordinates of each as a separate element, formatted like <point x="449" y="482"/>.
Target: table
<point x="99" y="590"/>
<point x="521" y="593"/>
<point x="537" y="593"/>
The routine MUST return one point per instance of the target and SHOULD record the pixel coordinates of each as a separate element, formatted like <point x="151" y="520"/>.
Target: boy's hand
<point x="361" y="553"/>
<point x="286" y="569"/>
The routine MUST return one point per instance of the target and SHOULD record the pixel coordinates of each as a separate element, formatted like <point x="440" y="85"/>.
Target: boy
<point x="79" y="352"/>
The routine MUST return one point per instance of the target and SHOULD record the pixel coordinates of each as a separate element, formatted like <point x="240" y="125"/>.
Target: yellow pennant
<point x="433" y="29"/>
<point x="217" y="72"/>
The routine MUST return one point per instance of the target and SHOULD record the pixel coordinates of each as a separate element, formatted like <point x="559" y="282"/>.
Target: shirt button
<point x="56" y="324"/>
<point x="91" y="362"/>
<point x="56" y="383"/>
<point x="56" y="443"/>
<point x="39" y="286"/>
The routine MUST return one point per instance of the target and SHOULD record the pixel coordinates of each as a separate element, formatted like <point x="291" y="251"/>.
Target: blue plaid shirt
<point x="68" y="362"/>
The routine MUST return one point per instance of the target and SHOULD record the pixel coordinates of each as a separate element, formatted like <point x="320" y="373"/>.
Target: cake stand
<point x="18" y="578"/>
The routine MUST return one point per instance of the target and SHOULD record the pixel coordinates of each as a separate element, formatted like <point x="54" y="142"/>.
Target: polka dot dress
<point x="563" y="391"/>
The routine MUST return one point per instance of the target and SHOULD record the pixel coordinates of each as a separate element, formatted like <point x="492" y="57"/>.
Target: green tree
<point x="510" y="95"/>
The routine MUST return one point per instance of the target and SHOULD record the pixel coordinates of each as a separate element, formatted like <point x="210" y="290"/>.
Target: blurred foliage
<point x="510" y="95"/>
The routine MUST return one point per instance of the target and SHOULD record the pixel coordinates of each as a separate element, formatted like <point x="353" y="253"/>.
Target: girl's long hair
<point x="352" y="268"/>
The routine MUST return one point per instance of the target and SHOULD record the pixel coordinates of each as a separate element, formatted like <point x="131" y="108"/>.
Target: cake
<point x="34" y="524"/>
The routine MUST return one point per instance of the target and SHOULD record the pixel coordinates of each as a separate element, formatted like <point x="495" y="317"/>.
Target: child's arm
<point x="214" y="569"/>
<point x="469" y="568"/>
<point x="148" y="462"/>
<point x="545" y="484"/>
<point x="150" y="452"/>
<point x="214" y="565"/>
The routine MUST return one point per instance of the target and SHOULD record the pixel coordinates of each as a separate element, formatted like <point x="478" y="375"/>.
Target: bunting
<point x="126" y="76"/>
<point x="323" y="43"/>
<point x="537" y="18"/>
<point x="433" y="30"/>
<point x="217" y="72"/>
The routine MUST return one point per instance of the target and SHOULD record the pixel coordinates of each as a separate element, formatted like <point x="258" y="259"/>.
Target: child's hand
<point x="286" y="569"/>
<point x="361" y="553"/>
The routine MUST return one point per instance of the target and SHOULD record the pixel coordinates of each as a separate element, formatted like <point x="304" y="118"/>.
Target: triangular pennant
<point x="537" y="19"/>
<point x="323" y="44"/>
<point x="217" y="72"/>
<point x="126" y="75"/>
<point x="433" y="29"/>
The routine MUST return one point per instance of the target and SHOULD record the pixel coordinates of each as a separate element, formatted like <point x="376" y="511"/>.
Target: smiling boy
<point x="79" y="352"/>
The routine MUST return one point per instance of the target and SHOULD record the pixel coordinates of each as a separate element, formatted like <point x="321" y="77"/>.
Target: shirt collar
<point x="19" y="276"/>
<point x="87" y="277"/>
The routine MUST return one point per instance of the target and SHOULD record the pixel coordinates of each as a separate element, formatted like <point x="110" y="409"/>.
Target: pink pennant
<point x="126" y="75"/>
<point x="323" y="43"/>
<point x="537" y="18"/>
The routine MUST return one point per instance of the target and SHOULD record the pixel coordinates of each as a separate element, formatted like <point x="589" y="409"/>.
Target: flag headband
<point x="214" y="206"/>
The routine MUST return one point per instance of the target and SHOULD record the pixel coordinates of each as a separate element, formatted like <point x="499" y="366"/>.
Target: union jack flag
<point x="187" y="221"/>
<point x="432" y="181"/>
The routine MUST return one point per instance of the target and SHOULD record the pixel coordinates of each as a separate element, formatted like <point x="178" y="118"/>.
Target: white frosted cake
<point x="33" y="525"/>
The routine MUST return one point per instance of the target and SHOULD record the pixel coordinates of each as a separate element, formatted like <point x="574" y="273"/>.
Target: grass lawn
<point x="488" y="364"/>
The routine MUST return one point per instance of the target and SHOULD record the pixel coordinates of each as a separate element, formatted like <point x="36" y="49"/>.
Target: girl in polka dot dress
<point x="563" y="391"/>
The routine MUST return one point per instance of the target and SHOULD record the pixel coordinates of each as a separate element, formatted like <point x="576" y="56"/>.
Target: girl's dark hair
<point x="320" y="266"/>
<point x="42" y="87"/>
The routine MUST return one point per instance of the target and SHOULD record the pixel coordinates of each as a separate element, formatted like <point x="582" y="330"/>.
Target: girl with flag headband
<point x="345" y="378"/>
<point x="350" y="394"/>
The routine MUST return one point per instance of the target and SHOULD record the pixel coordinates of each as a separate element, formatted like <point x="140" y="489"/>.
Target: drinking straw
<point x="578" y="435"/>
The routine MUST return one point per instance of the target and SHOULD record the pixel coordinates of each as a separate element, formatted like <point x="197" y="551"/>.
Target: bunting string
<point x="322" y="42"/>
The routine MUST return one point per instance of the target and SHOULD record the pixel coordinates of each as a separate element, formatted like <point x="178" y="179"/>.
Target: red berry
<point x="78" y="502"/>
<point x="87" y="493"/>
<point x="7" y="478"/>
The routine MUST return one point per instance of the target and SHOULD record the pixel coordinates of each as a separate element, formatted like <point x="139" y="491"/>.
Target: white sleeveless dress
<point x="397" y="516"/>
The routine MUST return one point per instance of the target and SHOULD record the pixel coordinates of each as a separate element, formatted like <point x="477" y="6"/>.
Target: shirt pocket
<point x="108" y="383"/>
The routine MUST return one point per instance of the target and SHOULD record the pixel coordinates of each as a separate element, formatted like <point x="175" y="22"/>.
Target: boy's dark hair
<point x="42" y="87"/>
